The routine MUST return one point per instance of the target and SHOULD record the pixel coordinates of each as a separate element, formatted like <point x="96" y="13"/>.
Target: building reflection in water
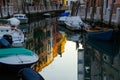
<point x="46" y="41"/>
<point x="102" y="58"/>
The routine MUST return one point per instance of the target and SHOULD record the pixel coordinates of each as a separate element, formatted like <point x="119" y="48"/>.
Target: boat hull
<point x="17" y="58"/>
<point x="15" y="68"/>
<point x="101" y="34"/>
<point x="72" y="27"/>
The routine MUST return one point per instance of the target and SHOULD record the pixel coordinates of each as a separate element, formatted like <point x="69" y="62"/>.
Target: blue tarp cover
<point x="4" y="52"/>
<point x="65" y="14"/>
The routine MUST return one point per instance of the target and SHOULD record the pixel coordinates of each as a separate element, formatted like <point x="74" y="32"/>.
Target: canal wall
<point x="107" y="18"/>
<point x="31" y="11"/>
<point x="40" y="15"/>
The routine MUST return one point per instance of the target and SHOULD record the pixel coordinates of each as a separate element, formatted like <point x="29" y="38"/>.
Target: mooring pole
<point x="86" y="9"/>
<point x="111" y="11"/>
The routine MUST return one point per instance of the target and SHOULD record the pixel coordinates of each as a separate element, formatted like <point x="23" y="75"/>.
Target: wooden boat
<point x="99" y="33"/>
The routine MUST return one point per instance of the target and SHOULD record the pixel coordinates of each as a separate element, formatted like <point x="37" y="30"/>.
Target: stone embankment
<point x="115" y="17"/>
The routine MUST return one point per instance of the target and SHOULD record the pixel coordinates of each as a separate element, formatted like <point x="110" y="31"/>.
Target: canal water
<point x="56" y="47"/>
<point x="65" y="67"/>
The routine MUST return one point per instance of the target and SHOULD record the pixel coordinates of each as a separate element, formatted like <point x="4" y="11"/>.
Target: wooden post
<point x="110" y="18"/>
<point x="1" y="11"/>
<point x="106" y="3"/>
<point x="8" y="9"/>
<point x="77" y="7"/>
<point x="73" y="5"/>
<point x="118" y="17"/>
<point x="102" y="3"/>
<point x="23" y="6"/>
<point x="92" y="16"/>
<point x="86" y="9"/>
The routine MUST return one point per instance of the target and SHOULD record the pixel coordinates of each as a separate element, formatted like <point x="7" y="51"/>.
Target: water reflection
<point x="44" y="38"/>
<point x="65" y="67"/>
<point x="103" y="59"/>
<point x="48" y="42"/>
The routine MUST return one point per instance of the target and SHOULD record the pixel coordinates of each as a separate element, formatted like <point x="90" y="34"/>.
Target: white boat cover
<point x="14" y="21"/>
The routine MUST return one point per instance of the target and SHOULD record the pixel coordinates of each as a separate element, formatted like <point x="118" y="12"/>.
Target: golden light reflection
<point x="48" y="46"/>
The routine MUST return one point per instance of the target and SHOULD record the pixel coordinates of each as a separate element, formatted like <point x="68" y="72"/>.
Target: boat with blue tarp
<point x="65" y="14"/>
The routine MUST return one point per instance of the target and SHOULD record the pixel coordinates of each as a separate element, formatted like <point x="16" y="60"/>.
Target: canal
<point x="65" y="67"/>
<point x="56" y="47"/>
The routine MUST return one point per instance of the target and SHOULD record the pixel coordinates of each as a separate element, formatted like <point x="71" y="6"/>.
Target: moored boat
<point x="10" y="32"/>
<point x="63" y="17"/>
<point x="64" y="14"/>
<point x="73" y="22"/>
<point x="12" y="53"/>
<point x="61" y="20"/>
<point x="99" y="33"/>
<point x="17" y="58"/>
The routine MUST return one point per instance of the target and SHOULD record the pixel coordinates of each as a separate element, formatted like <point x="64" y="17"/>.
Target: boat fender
<point x="4" y="43"/>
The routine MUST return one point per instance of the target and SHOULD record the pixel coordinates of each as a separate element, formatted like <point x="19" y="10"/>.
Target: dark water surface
<point x="65" y="67"/>
<point x="57" y="54"/>
<point x="57" y="50"/>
